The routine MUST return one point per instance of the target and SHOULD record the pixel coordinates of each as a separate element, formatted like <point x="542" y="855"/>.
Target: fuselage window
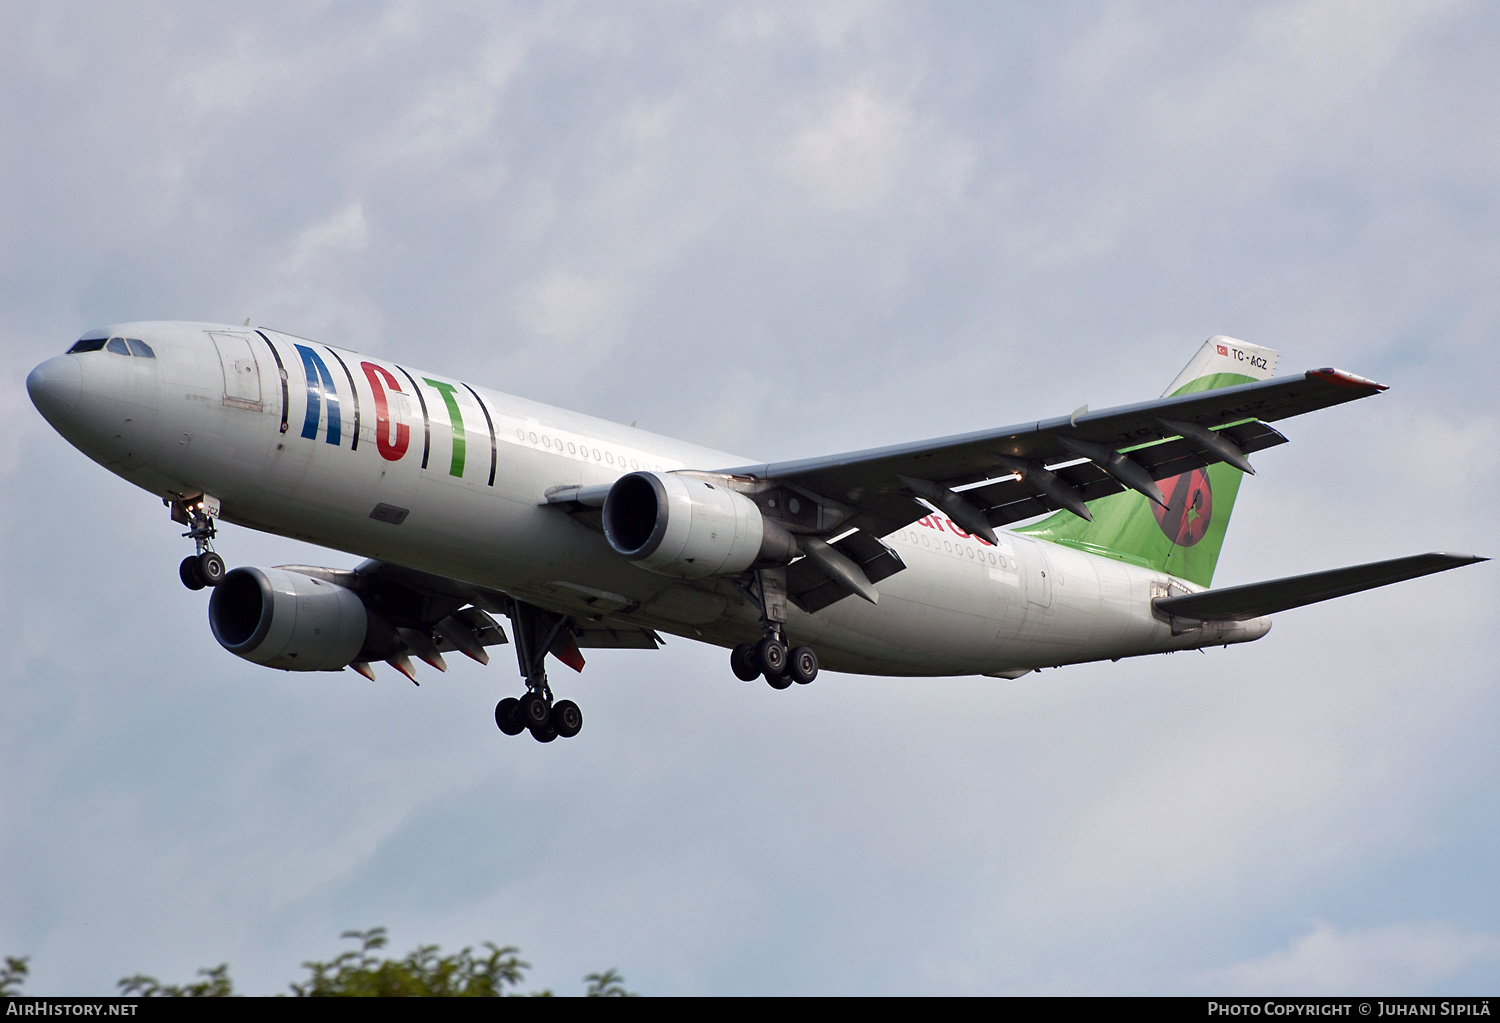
<point x="139" y="348"/>
<point x="88" y="344"/>
<point x="117" y="345"/>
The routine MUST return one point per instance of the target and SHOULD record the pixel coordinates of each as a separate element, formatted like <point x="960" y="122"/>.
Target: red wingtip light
<point x="1339" y="378"/>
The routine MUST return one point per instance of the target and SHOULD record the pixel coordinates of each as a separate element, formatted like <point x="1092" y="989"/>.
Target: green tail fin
<point x="1183" y="540"/>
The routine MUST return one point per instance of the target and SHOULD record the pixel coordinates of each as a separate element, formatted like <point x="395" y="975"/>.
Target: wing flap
<point x="810" y="589"/>
<point x="612" y="635"/>
<point x="1238" y="603"/>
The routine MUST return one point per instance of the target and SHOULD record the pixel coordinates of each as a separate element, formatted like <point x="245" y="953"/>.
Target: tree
<point x="608" y="984"/>
<point x="215" y="984"/>
<point x="14" y="975"/>
<point x="424" y="972"/>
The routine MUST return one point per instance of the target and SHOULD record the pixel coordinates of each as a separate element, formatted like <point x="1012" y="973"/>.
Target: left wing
<point x="432" y="614"/>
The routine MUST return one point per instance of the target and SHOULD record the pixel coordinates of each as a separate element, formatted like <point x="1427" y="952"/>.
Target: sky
<point x="780" y="230"/>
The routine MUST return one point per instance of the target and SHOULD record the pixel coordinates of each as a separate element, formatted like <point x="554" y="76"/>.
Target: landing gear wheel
<point x="508" y="716"/>
<point x="211" y="568"/>
<point x="534" y="713"/>
<point x="567" y="718"/>
<point x="742" y="662"/>
<point x="779" y="681"/>
<point x="802" y="667"/>
<point x="190" y="574"/>
<point x="770" y="657"/>
<point x="544" y="734"/>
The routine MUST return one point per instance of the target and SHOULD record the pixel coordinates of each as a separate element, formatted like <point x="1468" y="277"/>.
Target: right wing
<point x="872" y="489"/>
<point x="993" y="477"/>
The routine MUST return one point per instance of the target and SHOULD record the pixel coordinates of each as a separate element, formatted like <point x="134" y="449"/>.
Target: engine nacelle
<point x="287" y="620"/>
<point x="687" y="527"/>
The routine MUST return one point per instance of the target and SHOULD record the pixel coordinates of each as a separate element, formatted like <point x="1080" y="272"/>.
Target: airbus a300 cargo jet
<point x="469" y="503"/>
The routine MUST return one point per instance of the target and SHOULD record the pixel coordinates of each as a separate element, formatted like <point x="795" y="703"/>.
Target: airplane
<point x="468" y="503"/>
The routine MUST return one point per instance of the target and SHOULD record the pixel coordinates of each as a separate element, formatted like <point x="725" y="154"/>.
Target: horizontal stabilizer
<point x="1237" y="603"/>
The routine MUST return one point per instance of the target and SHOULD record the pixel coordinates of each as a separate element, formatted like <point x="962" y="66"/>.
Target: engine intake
<point x="287" y="620"/>
<point x="690" y="528"/>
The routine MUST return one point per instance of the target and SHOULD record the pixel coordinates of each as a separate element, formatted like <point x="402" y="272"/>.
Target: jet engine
<point x="690" y="528"/>
<point x="288" y="620"/>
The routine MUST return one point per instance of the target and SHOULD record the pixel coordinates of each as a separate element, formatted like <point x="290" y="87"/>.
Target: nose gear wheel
<point x="204" y="568"/>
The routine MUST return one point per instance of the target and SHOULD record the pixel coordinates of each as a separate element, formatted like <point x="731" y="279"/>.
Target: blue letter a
<point x="319" y="385"/>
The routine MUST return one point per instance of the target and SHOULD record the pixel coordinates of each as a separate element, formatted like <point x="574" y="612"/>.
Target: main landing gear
<point x="536" y="631"/>
<point x="771" y="657"/>
<point x="204" y="568"/>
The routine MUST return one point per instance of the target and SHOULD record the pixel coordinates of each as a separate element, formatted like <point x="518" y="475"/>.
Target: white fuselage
<point x="223" y="411"/>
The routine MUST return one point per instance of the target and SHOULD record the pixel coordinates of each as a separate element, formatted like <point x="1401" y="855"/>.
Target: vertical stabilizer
<point x="1183" y="539"/>
<point x="1223" y="362"/>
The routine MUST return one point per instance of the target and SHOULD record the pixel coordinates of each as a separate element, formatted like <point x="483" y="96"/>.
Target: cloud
<point x="314" y="280"/>
<point x="1330" y="961"/>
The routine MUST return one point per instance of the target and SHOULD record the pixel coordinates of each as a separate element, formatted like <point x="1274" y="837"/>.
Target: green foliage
<point x="215" y="984"/>
<point x="423" y="973"/>
<point x="11" y="978"/>
<point x="608" y="984"/>
<point x="362" y="973"/>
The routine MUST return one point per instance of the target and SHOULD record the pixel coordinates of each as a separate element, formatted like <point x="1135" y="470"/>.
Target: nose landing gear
<point x="770" y="657"/>
<point x="197" y="513"/>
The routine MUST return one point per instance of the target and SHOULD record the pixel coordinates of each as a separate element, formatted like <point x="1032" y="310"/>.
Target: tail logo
<point x="1189" y="510"/>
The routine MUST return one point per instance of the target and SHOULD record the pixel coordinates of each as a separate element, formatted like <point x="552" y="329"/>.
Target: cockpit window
<point x="119" y="345"/>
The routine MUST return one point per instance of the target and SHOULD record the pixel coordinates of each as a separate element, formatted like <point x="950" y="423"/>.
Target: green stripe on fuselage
<point x="460" y="439"/>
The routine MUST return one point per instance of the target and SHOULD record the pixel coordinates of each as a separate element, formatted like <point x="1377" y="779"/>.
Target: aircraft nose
<point x="55" y="386"/>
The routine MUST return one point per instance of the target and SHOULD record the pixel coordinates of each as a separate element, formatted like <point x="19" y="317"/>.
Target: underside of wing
<point x="436" y="614"/>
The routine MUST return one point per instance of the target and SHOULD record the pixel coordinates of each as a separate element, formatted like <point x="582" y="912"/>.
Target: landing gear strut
<point x="535" y="632"/>
<point x="770" y="657"/>
<point x="197" y="513"/>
